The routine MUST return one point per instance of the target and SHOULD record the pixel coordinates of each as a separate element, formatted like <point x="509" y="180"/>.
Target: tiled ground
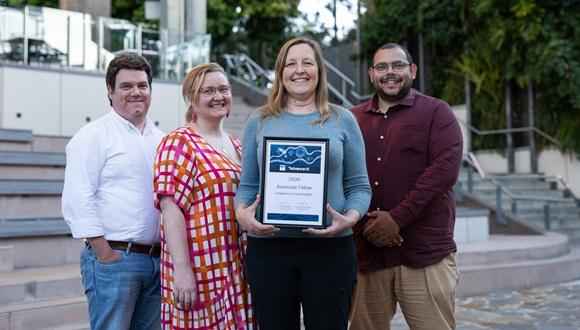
<point x="555" y="307"/>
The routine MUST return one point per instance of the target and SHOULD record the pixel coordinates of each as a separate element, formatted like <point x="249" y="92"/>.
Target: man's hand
<point x="381" y="230"/>
<point x="245" y="215"/>
<point x="105" y="254"/>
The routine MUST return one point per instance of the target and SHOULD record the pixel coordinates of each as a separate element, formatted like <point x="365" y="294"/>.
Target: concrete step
<point x="515" y="185"/>
<point x="28" y="172"/>
<point x="33" y="227"/>
<point x="30" y="187"/>
<point x="40" y="283"/>
<point x="42" y="143"/>
<point x="508" y="248"/>
<point x="34" y="158"/>
<point x="28" y="165"/>
<point x="55" y="314"/>
<point x="555" y="223"/>
<point x="47" y="251"/>
<point x="555" y="208"/>
<point x="568" y="203"/>
<point x="487" y="192"/>
<point x="15" y="139"/>
<point x="508" y="262"/>
<point x="30" y="206"/>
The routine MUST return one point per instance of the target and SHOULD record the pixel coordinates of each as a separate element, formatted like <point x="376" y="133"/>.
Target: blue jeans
<point x="317" y="273"/>
<point x="122" y="295"/>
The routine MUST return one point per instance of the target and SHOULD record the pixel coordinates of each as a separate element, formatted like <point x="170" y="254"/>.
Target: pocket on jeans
<point x="119" y="253"/>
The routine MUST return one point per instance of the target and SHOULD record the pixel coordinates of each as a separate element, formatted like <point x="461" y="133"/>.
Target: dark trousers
<point x="319" y="273"/>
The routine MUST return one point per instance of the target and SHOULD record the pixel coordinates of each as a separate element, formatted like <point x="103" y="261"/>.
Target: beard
<point x="405" y="88"/>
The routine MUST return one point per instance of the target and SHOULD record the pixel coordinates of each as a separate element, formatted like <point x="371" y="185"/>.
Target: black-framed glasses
<point x="398" y="66"/>
<point x="211" y="91"/>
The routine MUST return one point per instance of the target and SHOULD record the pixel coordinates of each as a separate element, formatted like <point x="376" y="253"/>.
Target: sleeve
<point x="445" y="150"/>
<point x="357" y="189"/>
<point x="250" y="179"/>
<point x="175" y="170"/>
<point x="85" y="158"/>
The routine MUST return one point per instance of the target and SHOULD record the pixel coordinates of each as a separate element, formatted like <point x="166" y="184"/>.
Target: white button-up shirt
<point x="108" y="187"/>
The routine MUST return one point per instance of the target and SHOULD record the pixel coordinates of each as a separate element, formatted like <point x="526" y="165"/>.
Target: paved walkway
<point x="554" y="307"/>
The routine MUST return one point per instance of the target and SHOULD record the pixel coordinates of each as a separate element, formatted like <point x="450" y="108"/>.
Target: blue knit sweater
<point x="348" y="184"/>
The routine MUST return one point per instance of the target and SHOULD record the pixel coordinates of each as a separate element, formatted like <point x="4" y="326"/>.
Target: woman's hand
<point x="340" y="222"/>
<point x="246" y="218"/>
<point x="184" y="289"/>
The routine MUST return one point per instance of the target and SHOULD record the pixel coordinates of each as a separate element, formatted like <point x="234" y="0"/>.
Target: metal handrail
<point x="340" y="74"/>
<point x="501" y="189"/>
<point x="243" y="67"/>
<point x="346" y="81"/>
<point x="237" y="65"/>
<point x="511" y="130"/>
<point x="345" y="102"/>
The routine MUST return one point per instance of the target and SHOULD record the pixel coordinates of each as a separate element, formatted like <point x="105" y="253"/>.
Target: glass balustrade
<point x="65" y="39"/>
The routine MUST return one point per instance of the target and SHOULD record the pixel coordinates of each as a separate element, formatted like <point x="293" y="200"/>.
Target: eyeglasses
<point x="397" y="66"/>
<point x="210" y="91"/>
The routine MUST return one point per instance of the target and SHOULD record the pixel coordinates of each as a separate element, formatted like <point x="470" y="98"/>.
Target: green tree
<point x="495" y="43"/>
<point x="22" y="3"/>
<point x="257" y="27"/>
<point x="223" y="17"/>
<point x="265" y="25"/>
<point x="131" y="10"/>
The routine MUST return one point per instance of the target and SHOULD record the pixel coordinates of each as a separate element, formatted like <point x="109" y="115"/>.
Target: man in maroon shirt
<point x="405" y="244"/>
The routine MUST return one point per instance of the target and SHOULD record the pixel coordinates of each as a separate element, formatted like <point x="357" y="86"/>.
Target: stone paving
<point x="554" y="307"/>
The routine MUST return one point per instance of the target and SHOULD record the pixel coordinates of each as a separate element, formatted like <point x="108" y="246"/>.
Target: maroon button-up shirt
<point x="413" y="154"/>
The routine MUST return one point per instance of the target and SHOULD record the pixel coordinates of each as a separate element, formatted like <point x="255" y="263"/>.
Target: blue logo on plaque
<point x="295" y="159"/>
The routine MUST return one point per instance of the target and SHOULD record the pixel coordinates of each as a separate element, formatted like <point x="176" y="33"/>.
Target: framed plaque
<point x="294" y="182"/>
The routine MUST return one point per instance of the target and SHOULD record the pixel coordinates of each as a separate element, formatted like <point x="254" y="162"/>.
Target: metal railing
<point x="510" y="150"/>
<point x="347" y="93"/>
<point x="54" y="38"/>
<point x="500" y="190"/>
<point x="241" y="67"/>
<point x="245" y="70"/>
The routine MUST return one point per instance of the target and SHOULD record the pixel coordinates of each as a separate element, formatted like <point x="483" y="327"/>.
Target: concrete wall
<point x="461" y="114"/>
<point x="58" y="103"/>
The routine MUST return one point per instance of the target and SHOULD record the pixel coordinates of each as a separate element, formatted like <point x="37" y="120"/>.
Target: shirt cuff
<point x="402" y="216"/>
<point x="86" y="230"/>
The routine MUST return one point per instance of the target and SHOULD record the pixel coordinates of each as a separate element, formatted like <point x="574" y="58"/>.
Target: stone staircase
<point x="40" y="285"/>
<point x="513" y="262"/>
<point x="564" y="213"/>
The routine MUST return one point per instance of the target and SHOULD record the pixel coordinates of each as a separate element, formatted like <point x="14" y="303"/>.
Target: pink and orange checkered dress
<point x="203" y="182"/>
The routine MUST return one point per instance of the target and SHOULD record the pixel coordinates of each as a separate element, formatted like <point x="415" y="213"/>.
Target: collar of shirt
<point x="146" y="129"/>
<point x="407" y="101"/>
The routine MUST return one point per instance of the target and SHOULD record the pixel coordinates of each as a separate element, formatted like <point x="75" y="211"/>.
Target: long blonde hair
<point x="278" y="98"/>
<point x="192" y="84"/>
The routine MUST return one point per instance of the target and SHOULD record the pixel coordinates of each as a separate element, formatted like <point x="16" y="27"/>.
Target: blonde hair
<point x="278" y="98"/>
<point x="192" y="84"/>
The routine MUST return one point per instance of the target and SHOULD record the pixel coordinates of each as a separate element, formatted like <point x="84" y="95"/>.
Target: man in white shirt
<point x="108" y="201"/>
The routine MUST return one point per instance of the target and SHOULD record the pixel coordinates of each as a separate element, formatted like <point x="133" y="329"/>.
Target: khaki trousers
<point x="426" y="296"/>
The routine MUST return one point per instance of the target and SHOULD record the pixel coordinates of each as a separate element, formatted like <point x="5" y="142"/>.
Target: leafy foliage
<point x="131" y="10"/>
<point x="495" y="43"/>
<point x="257" y="27"/>
<point x="22" y="3"/>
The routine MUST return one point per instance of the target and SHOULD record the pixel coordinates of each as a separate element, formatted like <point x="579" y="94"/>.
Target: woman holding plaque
<point x="197" y="170"/>
<point x="290" y="266"/>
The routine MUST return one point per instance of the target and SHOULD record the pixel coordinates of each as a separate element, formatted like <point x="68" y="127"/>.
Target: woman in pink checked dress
<point x="196" y="176"/>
